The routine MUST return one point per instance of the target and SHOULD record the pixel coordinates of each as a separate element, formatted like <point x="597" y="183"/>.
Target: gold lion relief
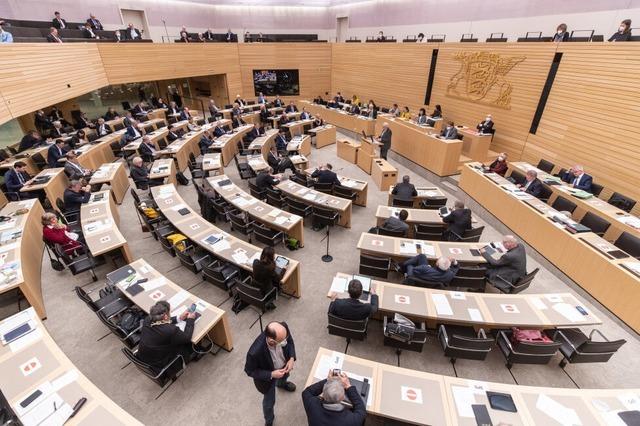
<point x="482" y="78"/>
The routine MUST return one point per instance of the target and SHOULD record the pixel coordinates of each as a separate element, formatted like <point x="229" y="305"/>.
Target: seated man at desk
<point x="323" y="402"/>
<point x="30" y="140"/>
<point x="511" y="266"/>
<point x="160" y="338"/>
<point x="79" y="139"/>
<point x="278" y="163"/>
<point x="74" y="170"/>
<point x="267" y="179"/>
<point x="404" y="190"/>
<point x="499" y="165"/>
<point x="351" y="308"/>
<point x="56" y="232"/>
<point x="458" y="221"/>
<point x="111" y="114"/>
<point x="418" y="266"/>
<point x="304" y="115"/>
<point x="397" y="224"/>
<point x="577" y="178"/>
<point x="318" y="121"/>
<point x="102" y="129"/>
<point x="450" y="132"/>
<point x="264" y="113"/>
<point x="15" y="179"/>
<point x="55" y="153"/>
<point x="57" y="130"/>
<point x="205" y="142"/>
<point x="281" y="140"/>
<point x="532" y="184"/>
<point x="76" y="195"/>
<point x="291" y="108"/>
<point x="277" y="102"/>
<point x="333" y="103"/>
<point x="147" y="149"/>
<point x="185" y="114"/>
<point x="140" y="109"/>
<point x="191" y="125"/>
<point x="395" y="110"/>
<point x="173" y="109"/>
<point x="485" y="127"/>
<point x="354" y="109"/>
<point x="140" y="175"/>
<point x="325" y="174"/>
<point x="172" y="135"/>
<point x="283" y="119"/>
<point x="131" y="133"/>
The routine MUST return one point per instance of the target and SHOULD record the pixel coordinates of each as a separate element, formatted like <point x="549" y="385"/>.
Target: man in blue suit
<point x="17" y="178"/>
<point x="55" y="153"/>
<point x="577" y="178"/>
<point x="532" y="184"/>
<point x="418" y="266"/>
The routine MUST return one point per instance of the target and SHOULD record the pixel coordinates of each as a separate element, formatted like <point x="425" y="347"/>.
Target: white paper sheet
<point x="327" y="363"/>
<point x="280" y="220"/>
<point x="178" y="298"/>
<point x="408" y="248"/>
<point x="221" y="245"/>
<point x="475" y="314"/>
<point x="428" y="249"/>
<point x="630" y="400"/>
<point x="561" y="414"/>
<point x="442" y="304"/>
<point x="240" y="257"/>
<point x="310" y="196"/>
<point x="553" y="298"/>
<point x="43" y="410"/>
<point x="569" y="312"/>
<point x="26" y="340"/>
<point x="338" y="285"/>
<point x="67" y="378"/>
<point x="458" y="295"/>
<point x="15" y="321"/>
<point x="539" y="304"/>
<point x="154" y="283"/>
<point x="464" y="399"/>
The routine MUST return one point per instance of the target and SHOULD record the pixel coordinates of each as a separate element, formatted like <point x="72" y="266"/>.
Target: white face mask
<point x="621" y="29"/>
<point x="560" y="31"/>
<point x="500" y="158"/>
<point x="488" y="119"/>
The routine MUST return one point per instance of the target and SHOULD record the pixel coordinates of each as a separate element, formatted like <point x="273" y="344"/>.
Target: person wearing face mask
<point x="485" y="127"/>
<point x="449" y="132"/>
<point x="421" y="119"/>
<point x="624" y="32"/>
<point x="561" y="33"/>
<point x="381" y="36"/>
<point x="373" y="109"/>
<point x="269" y="361"/>
<point x="499" y="165"/>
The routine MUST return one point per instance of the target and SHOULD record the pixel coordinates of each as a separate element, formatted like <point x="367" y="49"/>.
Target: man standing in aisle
<point x="270" y="359"/>
<point x="385" y="140"/>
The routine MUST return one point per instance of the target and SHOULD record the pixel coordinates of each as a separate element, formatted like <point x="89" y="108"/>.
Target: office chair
<point x="423" y="231"/>
<point x="221" y="208"/>
<point x="433" y="203"/>
<point x="622" y="202"/>
<point x="517" y="177"/>
<point x="267" y="236"/>
<point x="520" y="285"/>
<point x="415" y="343"/>
<point x="374" y="266"/>
<point x="275" y="199"/>
<point x="414" y="281"/>
<point x="577" y="347"/>
<point x="464" y="342"/>
<point x="344" y="192"/>
<point x="129" y="338"/>
<point x="628" y="243"/>
<point x="77" y="263"/>
<point x="296" y="207"/>
<point x="469" y="235"/>
<point x="545" y="193"/>
<point x="525" y="352"/>
<point x="260" y="194"/>
<point x="70" y="217"/>
<point x="39" y="160"/>
<point x="301" y="179"/>
<point x="163" y="377"/>
<point x="253" y="297"/>
<point x="471" y="278"/>
<point x="221" y="274"/>
<point x="562" y="204"/>
<point x="192" y="257"/>
<point x="110" y="305"/>
<point x="325" y="188"/>
<point x="389" y="233"/>
<point x="596" y="189"/>
<point x="167" y="245"/>
<point x="244" y="170"/>
<point x="545" y="166"/>
<point x="399" y="202"/>
<point x="594" y="222"/>
<point x="347" y="328"/>
<point x="242" y="223"/>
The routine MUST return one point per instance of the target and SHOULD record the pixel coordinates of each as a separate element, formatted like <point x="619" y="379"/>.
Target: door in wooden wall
<point x="342" y="28"/>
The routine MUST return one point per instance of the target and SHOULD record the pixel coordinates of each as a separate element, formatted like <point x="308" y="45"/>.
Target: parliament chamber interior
<point x="320" y="212"/>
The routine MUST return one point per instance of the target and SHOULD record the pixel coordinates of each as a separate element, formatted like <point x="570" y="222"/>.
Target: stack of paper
<point x="338" y="285"/>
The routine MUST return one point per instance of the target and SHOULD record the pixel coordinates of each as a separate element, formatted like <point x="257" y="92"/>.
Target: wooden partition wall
<point x="591" y="117"/>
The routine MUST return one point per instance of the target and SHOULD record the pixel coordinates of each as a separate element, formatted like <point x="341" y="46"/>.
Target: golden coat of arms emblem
<point x="482" y="78"/>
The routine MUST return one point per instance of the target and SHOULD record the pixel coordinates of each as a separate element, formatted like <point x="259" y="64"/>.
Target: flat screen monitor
<point x="276" y="82"/>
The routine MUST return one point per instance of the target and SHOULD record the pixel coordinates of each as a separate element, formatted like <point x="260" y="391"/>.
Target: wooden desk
<point x="424" y="193"/>
<point x="325" y="135"/>
<point x="213" y="323"/>
<point x="416" y="216"/>
<point x="100" y="221"/>
<point x="53" y="188"/>
<point x="342" y="119"/>
<point x="182" y="147"/>
<point x="22" y="258"/>
<point x="227" y="144"/>
<point x="154" y="137"/>
<point x="295" y="128"/>
<point x="57" y="378"/>
<point x="360" y="187"/>
<point x="383" y="174"/>
<point x="32" y="168"/>
<point x="92" y="155"/>
<point x="480" y="310"/>
<point x="475" y="145"/>
<point x="263" y="144"/>
<point x="275" y="121"/>
<point x="418" y="144"/>
<point x="314" y="198"/>
<point x="164" y="169"/>
<point x="270" y="216"/>
<point x="300" y="162"/>
<point x="595" y="205"/>
<point x="114" y="175"/>
<point x="230" y="248"/>
<point x="348" y="151"/>
<point x="257" y="163"/>
<point x="366" y="155"/>
<point x="212" y="163"/>
<point x="251" y="117"/>
<point x="582" y="257"/>
<point x="301" y="145"/>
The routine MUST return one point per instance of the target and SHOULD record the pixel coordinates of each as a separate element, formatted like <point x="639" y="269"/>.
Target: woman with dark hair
<point x="437" y="112"/>
<point x="420" y="38"/>
<point x="561" y="33"/>
<point x="264" y="272"/>
<point x="422" y="117"/>
<point x="623" y="33"/>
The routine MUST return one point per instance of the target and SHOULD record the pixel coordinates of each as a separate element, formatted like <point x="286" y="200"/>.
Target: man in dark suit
<point x="208" y="35"/>
<point x="88" y="32"/>
<point x="450" y="132"/>
<point x="185" y="114"/>
<point x="172" y="135"/>
<point x="161" y="340"/>
<point x="277" y="102"/>
<point x="397" y="224"/>
<point x="94" y="22"/>
<point x="173" y="108"/>
<point x="532" y="184"/>
<point x="269" y="361"/>
<point x="291" y="108"/>
<point x="418" y="266"/>
<point x="147" y="149"/>
<point x="53" y="36"/>
<point x="102" y="129"/>
<point x="55" y="153"/>
<point x="325" y="174"/>
<point x="323" y="402"/>
<point x="304" y="115"/>
<point x="75" y="196"/>
<point x="83" y="121"/>
<point x="404" y="190"/>
<point x="459" y="220"/>
<point x="578" y="179"/>
<point x="132" y="133"/>
<point x="28" y="141"/>
<point x="205" y="142"/>
<point x="486" y="127"/>
<point x="74" y="169"/>
<point x="266" y="179"/>
<point x="131" y="33"/>
<point x="279" y="164"/>
<point x="41" y="121"/>
<point x="218" y="131"/>
<point x="353" y="309"/>
<point x="57" y="22"/>
<point x="511" y="266"/>
<point x="140" y="109"/>
<point x="140" y="175"/>
<point x="17" y="178"/>
<point x="385" y="140"/>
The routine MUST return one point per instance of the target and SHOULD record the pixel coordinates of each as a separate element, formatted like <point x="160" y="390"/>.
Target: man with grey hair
<point x="404" y="190"/>
<point x="140" y="175"/>
<point x="418" y="266"/>
<point x="323" y="402"/>
<point x="577" y="178"/>
<point x="384" y="140"/>
<point x="532" y="185"/>
<point x="75" y="196"/>
<point x="510" y="267"/>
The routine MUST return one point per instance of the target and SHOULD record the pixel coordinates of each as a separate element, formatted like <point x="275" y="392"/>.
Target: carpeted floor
<point x="216" y="390"/>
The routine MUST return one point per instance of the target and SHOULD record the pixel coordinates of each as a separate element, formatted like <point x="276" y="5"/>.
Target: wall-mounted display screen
<point x="276" y="82"/>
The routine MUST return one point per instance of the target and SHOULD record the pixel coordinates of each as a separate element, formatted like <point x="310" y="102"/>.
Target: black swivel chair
<point x="253" y="297"/>
<point x="433" y="203"/>
<point x="163" y="377"/>
<point x="260" y="194"/>
<point x="471" y="278"/>
<point x="266" y="235"/>
<point x="596" y="189"/>
<point x="594" y="222"/>
<point x="221" y="274"/>
<point x="344" y="192"/>
<point x="129" y="338"/>
<point x="628" y="243"/>
<point x="545" y="193"/>
<point x="562" y="204"/>
<point x="415" y="343"/>
<point x="520" y="285"/>
<point x="389" y="233"/>
<point x="110" y="305"/>
<point x="525" y="352"/>
<point x="518" y="177"/>
<point x="244" y="170"/>
<point x="275" y="199"/>
<point x="470" y="235"/>
<point x="622" y="202"/>
<point x="374" y="266"/>
<point x="347" y="328"/>
<point x="77" y="263"/>
<point x="545" y="166"/>
<point x="399" y="202"/>
<point x="297" y="207"/>
<point x="577" y="347"/>
<point x="192" y="257"/>
<point x="428" y="232"/>
<point x="414" y="281"/>
<point x="241" y="222"/>
<point x="464" y="342"/>
<point x="326" y="188"/>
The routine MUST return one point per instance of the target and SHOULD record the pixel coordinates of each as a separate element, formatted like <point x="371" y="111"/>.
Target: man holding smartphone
<point x="270" y="359"/>
<point x="323" y="402"/>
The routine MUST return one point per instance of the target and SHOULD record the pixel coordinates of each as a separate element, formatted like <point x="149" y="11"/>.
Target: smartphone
<point x="192" y="308"/>
<point x="582" y="310"/>
<point x="28" y="400"/>
<point x="336" y="372"/>
<point x="481" y="414"/>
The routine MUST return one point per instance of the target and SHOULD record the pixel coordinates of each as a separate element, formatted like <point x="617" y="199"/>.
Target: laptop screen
<point x="365" y="281"/>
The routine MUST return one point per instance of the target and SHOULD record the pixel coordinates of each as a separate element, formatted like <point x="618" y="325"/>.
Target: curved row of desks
<point x="320" y="199"/>
<point x="424" y="398"/>
<point x="583" y="257"/>
<point x="340" y="118"/>
<point x="229" y="248"/>
<point x="34" y="363"/>
<point x="416" y="216"/>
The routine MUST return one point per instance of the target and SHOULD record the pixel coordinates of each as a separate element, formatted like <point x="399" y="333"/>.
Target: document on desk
<point x="475" y="314"/>
<point x="408" y="248"/>
<point x="464" y="398"/>
<point x="280" y="220"/>
<point x="539" y="304"/>
<point x="338" y="285"/>
<point x="26" y="340"/>
<point x="240" y="257"/>
<point x="427" y="249"/>
<point x="632" y="221"/>
<point x="564" y="415"/>
<point x="310" y="196"/>
<point x="328" y="363"/>
<point x="178" y="298"/>
<point x="154" y="283"/>
<point x="52" y="411"/>
<point x="240" y="202"/>
<point x="569" y="312"/>
<point x="274" y="213"/>
<point x="442" y="304"/>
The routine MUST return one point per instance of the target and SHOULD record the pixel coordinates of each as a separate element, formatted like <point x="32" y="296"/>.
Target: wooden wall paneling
<point x="593" y="115"/>
<point x="388" y="73"/>
<point x="128" y="63"/>
<point x="526" y="78"/>
<point x="40" y="74"/>
<point x="313" y="60"/>
<point x="5" y="114"/>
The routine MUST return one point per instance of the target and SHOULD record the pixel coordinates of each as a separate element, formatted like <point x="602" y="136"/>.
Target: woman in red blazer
<point x="55" y="232"/>
<point x="499" y="166"/>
